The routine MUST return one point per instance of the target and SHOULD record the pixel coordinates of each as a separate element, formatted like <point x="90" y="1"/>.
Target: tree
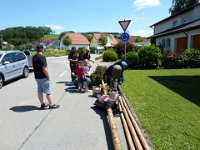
<point x="103" y="41"/>
<point x="180" y="5"/>
<point x="67" y="41"/>
<point x="139" y="39"/>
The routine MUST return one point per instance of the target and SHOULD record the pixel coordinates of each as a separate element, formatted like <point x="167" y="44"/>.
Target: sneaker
<point x="43" y="106"/>
<point x="54" y="106"/>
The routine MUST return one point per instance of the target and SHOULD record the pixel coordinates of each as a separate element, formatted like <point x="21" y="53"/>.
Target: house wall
<point x="183" y="18"/>
<point x="94" y="43"/>
<point x="173" y="39"/>
<point x="77" y="46"/>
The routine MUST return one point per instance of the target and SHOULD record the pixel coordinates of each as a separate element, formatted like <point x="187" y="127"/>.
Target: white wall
<point x="191" y="15"/>
<point x="173" y="38"/>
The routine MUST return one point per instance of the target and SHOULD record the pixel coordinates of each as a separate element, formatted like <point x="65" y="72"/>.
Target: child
<point x="86" y="73"/>
<point x="79" y="74"/>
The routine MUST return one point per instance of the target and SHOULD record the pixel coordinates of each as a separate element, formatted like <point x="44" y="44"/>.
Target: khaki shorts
<point x="116" y="72"/>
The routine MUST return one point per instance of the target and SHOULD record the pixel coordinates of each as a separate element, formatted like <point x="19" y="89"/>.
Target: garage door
<point x="181" y="45"/>
<point x="196" y="41"/>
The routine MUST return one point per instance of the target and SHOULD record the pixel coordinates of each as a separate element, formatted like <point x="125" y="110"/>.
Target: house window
<point x="185" y="20"/>
<point x="168" y="43"/>
<point x="163" y="43"/>
<point x="175" y="23"/>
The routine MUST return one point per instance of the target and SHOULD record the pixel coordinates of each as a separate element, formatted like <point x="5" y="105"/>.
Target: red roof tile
<point x="77" y="38"/>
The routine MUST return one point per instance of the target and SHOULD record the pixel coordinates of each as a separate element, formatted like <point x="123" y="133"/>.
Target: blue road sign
<point x="124" y="37"/>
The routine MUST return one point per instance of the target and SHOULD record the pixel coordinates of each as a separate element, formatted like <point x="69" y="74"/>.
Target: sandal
<point x="43" y="106"/>
<point x="54" y="106"/>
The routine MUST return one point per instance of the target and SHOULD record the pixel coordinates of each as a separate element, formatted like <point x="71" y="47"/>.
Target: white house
<point x="111" y="41"/>
<point x="178" y="32"/>
<point x="77" y="40"/>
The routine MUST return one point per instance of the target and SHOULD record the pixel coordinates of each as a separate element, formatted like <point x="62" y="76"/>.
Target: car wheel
<point x="25" y="72"/>
<point x="1" y="81"/>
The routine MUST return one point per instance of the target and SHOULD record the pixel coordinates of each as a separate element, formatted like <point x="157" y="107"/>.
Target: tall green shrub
<point x="132" y="60"/>
<point x="110" y="55"/>
<point x="149" y="56"/>
<point x="192" y="58"/>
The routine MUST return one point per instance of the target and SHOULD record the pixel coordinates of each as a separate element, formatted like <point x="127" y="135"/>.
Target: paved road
<point x="76" y="125"/>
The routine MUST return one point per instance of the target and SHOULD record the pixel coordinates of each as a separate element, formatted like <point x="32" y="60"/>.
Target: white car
<point x="13" y="64"/>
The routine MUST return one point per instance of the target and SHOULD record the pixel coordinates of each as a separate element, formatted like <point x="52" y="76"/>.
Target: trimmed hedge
<point x="132" y="59"/>
<point x="110" y="55"/>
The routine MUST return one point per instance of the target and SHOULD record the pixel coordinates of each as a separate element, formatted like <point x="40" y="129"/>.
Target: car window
<point x="7" y="57"/>
<point x="19" y="56"/>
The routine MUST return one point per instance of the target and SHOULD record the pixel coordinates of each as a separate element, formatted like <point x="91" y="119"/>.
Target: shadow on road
<point x="103" y="116"/>
<point x="24" y="108"/>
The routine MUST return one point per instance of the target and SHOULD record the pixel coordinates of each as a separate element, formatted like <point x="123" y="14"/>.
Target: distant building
<point x="77" y="40"/>
<point x="178" y="32"/>
<point x="111" y="41"/>
<point x="4" y="45"/>
<point x="144" y="42"/>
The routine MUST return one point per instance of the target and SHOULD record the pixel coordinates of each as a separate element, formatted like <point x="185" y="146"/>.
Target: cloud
<point x="143" y="33"/>
<point x="146" y="3"/>
<point x="55" y="27"/>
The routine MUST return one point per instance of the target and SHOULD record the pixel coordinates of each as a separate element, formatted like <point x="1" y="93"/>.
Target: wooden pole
<point x="138" y="131"/>
<point x="114" y="132"/>
<point x="132" y="130"/>
<point x="127" y="132"/>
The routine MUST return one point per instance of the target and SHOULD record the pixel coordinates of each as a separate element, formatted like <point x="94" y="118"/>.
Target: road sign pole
<point x="125" y="50"/>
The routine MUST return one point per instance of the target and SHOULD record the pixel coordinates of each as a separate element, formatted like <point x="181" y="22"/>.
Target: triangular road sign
<point x="124" y="24"/>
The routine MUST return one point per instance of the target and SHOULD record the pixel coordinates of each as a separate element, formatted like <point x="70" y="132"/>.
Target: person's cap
<point x="124" y="64"/>
<point x="39" y="46"/>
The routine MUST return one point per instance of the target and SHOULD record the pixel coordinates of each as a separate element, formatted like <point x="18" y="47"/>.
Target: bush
<point x="132" y="59"/>
<point x="97" y="75"/>
<point x="149" y="57"/>
<point x="110" y="55"/>
<point x="173" y="62"/>
<point x="192" y="58"/>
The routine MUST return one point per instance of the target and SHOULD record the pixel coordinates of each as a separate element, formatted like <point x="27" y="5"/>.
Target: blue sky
<point x="84" y="15"/>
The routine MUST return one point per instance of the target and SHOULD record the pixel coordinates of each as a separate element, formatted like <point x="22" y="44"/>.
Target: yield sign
<point x="124" y="24"/>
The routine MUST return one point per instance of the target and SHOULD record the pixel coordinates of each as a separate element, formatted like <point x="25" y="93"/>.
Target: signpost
<point x="124" y="36"/>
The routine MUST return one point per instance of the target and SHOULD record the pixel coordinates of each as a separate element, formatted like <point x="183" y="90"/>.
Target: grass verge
<point x="167" y="105"/>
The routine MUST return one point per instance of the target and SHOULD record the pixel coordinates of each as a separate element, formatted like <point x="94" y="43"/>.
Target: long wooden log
<point x="127" y="133"/>
<point x="115" y="135"/>
<point x="130" y="125"/>
<point x="138" y="131"/>
<point x="114" y="132"/>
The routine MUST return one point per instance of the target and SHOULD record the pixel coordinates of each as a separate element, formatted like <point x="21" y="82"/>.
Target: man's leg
<point x="40" y="97"/>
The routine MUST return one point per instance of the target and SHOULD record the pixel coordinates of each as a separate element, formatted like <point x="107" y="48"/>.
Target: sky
<point x="85" y="15"/>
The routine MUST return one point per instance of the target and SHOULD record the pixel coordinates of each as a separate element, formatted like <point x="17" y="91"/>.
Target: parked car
<point x="13" y="64"/>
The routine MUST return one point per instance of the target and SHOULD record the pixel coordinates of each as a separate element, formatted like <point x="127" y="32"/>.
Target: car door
<point x="20" y="61"/>
<point x="8" y="66"/>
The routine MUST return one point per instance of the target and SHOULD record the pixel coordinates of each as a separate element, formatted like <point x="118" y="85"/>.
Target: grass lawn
<point x="167" y="103"/>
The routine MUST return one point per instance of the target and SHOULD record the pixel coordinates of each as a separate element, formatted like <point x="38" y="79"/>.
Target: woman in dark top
<point x="73" y="59"/>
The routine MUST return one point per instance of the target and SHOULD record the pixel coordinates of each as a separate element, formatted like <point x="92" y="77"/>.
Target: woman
<point x="73" y="59"/>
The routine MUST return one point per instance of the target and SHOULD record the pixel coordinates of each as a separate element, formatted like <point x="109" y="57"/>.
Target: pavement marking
<point x="62" y="74"/>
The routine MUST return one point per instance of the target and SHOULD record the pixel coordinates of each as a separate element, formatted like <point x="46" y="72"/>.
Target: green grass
<point x="167" y="103"/>
<point x="50" y="36"/>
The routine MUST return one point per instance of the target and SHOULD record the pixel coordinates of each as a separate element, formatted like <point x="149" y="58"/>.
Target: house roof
<point x="185" y="27"/>
<point x="77" y="39"/>
<point x="133" y="38"/>
<point x="175" y="15"/>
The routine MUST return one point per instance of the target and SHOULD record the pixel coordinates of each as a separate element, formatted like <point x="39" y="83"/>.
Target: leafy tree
<point x="67" y="41"/>
<point x="139" y="39"/>
<point x="103" y="40"/>
<point x="63" y="33"/>
<point x="180" y="5"/>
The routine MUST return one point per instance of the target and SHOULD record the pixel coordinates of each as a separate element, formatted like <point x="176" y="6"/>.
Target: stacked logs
<point x="134" y="136"/>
